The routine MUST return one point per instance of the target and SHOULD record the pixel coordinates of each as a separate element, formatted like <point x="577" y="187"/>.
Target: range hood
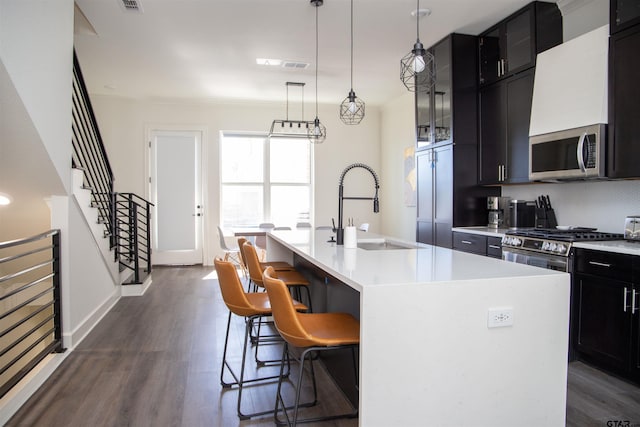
<point x="570" y="86"/>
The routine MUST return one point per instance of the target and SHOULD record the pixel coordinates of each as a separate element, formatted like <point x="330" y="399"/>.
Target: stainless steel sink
<point x="382" y="245"/>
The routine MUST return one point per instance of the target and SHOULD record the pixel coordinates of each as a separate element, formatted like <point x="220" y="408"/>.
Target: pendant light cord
<point x="316" y="60"/>
<point x="418" y="21"/>
<point x="351" y="45"/>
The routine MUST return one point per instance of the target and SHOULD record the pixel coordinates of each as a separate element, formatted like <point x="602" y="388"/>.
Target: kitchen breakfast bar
<point x="447" y="338"/>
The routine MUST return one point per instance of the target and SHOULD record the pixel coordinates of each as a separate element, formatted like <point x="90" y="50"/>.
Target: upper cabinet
<point x="624" y="14"/>
<point x="433" y="108"/>
<point x="623" y="149"/>
<point x="511" y="46"/>
<point x="453" y="95"/>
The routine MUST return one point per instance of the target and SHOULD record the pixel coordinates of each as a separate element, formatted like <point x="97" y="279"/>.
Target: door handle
<point x="633" y="301"/>
<point x="600" y="264"/>
<point x="579" y="152"/>
<point x="466" y="242"/>
<point x="624" y="300"/>
<point x="494" y="246"/>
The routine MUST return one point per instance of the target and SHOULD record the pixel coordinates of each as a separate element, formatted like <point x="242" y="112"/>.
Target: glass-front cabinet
<point x="433" y="107"/>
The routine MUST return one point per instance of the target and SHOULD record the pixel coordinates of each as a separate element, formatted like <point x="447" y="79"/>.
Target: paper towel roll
<point x="350" y="238"/>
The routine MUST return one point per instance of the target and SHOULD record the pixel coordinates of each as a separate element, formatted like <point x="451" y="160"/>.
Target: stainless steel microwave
<point x="569" y="154"/>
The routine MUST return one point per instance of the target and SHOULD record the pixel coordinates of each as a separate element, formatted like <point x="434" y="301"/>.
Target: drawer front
<point x="605" y="264"/>
<point x="494" y="247"/>
<point x="473" y="243"/>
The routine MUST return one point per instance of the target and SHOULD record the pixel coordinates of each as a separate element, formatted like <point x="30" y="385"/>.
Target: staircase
<point x="120" y="222"/>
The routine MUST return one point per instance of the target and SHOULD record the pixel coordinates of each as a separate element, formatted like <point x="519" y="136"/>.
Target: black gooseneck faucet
<point x="376" y="204"/>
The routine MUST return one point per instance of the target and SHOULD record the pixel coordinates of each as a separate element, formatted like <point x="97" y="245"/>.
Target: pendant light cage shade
<point x="417" y="69"/>
<point x="352" y="109"/>
<point x="317" y="133"/>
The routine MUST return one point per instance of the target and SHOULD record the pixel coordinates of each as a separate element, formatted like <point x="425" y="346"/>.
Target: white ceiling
<point x="206" y="49"/>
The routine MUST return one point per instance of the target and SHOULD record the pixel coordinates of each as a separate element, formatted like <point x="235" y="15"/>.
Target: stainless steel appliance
<point x="498" y="216"/>
<point x="569" y="109"/>
<point x="569" y="154"/>
<point x="522" y="213"/>
<point x="632" y="228"/>
<point x="548" y="248"/>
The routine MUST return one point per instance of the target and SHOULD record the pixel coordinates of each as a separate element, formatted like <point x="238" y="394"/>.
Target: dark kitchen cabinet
<point x="623" y="149"/>
<point x="478" y="244"/>
<point x="511" y="45"/>
<point x="435" y="198"/>
<point x="453" y="94"/>
<point x="505" y="112"/>
<point x="605" y="311"/>
<point x="623" y="14"/>
<point x="448" y="193"/>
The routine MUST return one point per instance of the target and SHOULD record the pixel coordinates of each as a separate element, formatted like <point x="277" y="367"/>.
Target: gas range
<point x="553" y="241"/>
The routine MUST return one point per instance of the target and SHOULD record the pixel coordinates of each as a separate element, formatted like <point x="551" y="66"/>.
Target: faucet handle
<point x="333" y="221"/>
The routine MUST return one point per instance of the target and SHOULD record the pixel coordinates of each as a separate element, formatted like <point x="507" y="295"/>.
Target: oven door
<point x="550" y="262"/>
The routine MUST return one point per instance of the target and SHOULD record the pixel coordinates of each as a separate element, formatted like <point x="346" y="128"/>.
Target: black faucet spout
<point x="341" y="198"/>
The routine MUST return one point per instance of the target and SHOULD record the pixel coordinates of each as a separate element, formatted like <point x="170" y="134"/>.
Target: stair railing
<point x="30" y="305"/>
<point x="90" y="155"/>
<point x="133" y="233"/>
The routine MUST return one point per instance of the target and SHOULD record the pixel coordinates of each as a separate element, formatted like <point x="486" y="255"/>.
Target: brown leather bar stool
<point x="311" y="332"/>
<point x="291" y="277"/>
<point x="251" y="306"/>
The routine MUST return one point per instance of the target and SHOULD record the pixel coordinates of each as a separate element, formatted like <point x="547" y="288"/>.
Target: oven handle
<point x="579" y="155"/>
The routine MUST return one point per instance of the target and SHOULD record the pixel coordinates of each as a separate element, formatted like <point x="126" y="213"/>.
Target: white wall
<point x="581" y="16"/>
<point x="398" y="134"/>
<point x="36" y="47"/>
<point x="124" y="122"/>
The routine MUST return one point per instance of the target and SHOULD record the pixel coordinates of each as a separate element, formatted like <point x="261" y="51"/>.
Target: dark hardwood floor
<point x="155" y="361"/>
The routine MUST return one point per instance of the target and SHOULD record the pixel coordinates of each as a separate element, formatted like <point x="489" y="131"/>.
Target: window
<point x="264" y="180"/>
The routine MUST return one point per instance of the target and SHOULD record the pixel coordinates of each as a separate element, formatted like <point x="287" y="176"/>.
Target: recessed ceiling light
<point x="266" y="61"/>
<point x="5" y="199"/>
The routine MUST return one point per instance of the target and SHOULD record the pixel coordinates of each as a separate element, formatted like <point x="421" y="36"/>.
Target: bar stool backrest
<point x="253" y="263"/>
<point x="284" y="314"/>
<point x="241" y="242"/>
<point x="232" y="293"/>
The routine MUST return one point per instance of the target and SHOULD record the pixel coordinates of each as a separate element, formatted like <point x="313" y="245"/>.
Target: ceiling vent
<point x="293" y="65"/>
<point x="131" y="5"/>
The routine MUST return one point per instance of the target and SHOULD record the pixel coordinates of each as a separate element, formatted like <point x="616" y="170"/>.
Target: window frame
<point x="266" y="183"/>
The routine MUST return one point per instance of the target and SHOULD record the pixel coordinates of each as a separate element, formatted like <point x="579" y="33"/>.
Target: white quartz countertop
<point x="619" y="246"/>
<point x="420" y="264"/>
<point x="483" y="231"/>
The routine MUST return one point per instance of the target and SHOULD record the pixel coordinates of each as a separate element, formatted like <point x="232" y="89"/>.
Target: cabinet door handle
<point x="624" y="300"/>
<point x="498" y="64"/>
<point x="633" y="301"/>
<point x="466" y="242"/>
<point x="495" y="247"/>
<point x="600" y="264"/>
<point x="503" y="67"/>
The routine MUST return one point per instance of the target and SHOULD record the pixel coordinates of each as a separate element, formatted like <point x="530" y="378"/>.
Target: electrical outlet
<point x="499" y="317"/>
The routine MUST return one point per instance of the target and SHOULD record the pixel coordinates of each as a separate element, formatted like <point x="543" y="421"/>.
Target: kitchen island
<point x="428" y="355"/>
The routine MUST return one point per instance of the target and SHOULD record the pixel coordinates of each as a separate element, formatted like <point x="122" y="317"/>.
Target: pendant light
<point x="317" y="133"/>
<point x="289" y="128"/>
<point x="352" y="108"/>
<point x="417" y="67"/>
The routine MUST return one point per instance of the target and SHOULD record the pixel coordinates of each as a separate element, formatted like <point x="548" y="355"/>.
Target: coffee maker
<point x="498" y="208"/>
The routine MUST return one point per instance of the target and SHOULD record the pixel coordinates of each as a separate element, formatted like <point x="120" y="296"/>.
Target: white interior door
<point x="176" y="192"/>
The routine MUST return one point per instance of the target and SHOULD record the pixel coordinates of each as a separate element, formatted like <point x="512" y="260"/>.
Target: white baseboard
<point x="75" y="337"/>
<point x="137" y="289"/>
<point x="21" y="392"/>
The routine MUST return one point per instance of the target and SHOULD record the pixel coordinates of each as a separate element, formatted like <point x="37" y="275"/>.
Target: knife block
<point x="545" y="218"/>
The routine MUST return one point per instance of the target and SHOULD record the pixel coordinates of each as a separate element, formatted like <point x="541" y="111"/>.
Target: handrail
<point x="89" y="153"/>
<point x="31" y="308"/>
<point x="133" y="233"/>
